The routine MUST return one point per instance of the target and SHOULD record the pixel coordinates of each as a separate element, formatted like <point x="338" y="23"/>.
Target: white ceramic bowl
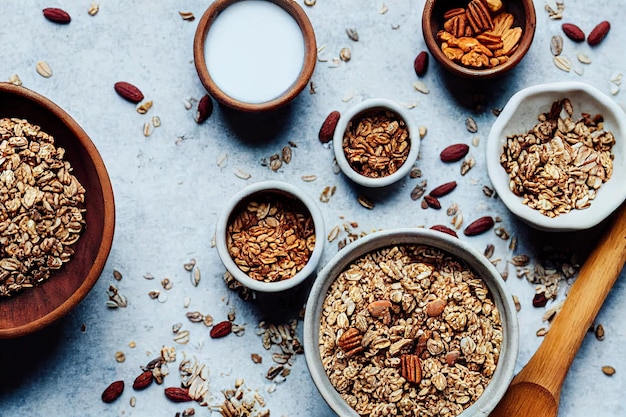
<point x="354" y="113"/>
<point x="249" y="193"/>
<point x="520" y="115"/>
<point x="454" y="246"/>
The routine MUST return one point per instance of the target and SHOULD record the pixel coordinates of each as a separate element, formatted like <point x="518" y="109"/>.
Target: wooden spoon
<point x="536" y="390"/>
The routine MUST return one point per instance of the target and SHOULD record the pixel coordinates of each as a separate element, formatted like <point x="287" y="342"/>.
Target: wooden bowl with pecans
<point x="376" y="142"/>
<point x="270" y="236"/>
<point x="410" y="321"/>
<point x="57" y="213"/>
<point x="478" y="38"/>
<point x="556" y="156"/>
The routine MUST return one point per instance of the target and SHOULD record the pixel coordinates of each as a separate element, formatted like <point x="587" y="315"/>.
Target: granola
<point x="272" y="238"/>
<point x="377" y="143"/>
<point x="559" y="165"/>
<point x="41" y="206"/>
<point x="409" y="330"/>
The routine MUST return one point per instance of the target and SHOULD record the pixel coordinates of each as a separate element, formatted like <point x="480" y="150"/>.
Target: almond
<point x="432" y="202"/>
<point x="573" y="32"/>
<point x="435" y="307"/>
<point x="479" y="226"/>
<point x="205" y="108"/>
<point x="57" y="15"/>
<point x="128" y="91"/>
<point x="221" y="329"/>
<point x="113" y="391"/>
<point x="443" y="189"/>
<point x="444" y="229"/>
<point x="421" y="63"/>
<point x="454" y="152"/>
<point x="178" y="395"/>
<point x="143" y="381"/>
<point x="598" y="33"/>
<point x="328" y="127"/>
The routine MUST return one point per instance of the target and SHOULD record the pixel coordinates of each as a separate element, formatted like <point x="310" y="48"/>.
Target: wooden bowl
<point x="523" y="12"/>
<point x="264" y="105"/>
<point x="34" y="308"/>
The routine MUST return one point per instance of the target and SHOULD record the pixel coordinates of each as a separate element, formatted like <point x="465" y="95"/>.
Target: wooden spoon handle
<point x="549" y="366"/>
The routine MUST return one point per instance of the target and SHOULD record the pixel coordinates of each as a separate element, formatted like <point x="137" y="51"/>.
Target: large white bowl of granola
<point x="556" y="156"/>
<point x="410" y="322"/>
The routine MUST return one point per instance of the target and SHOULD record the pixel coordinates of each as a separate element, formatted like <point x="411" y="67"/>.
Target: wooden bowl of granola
<point x="270" y="236"/>
<point x="556" y="156"/>
<point x="57" y="212"/>
<point x="392" y="322"/>
<point x="376" y="142"/>
<point x="478" y="38"/>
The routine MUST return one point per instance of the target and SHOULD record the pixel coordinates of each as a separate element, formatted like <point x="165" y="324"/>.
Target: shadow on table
<point x="24" y="359"/>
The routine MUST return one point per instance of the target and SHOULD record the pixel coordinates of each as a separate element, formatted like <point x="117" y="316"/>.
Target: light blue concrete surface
<point x="169" y="189"/>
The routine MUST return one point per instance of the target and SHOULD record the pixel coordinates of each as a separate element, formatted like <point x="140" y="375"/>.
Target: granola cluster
<point x="409" y="330"/>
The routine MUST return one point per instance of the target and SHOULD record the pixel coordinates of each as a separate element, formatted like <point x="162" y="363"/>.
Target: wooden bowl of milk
<point x="254" y="55"/>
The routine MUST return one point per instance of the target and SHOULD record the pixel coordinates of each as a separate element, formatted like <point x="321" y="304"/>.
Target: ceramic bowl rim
<point x="308" y="66"/>
<point x="510" y="348"/>
<point x="270" y="186"/>
<point x="366" y="106"/>
<point x="575" y="220"/>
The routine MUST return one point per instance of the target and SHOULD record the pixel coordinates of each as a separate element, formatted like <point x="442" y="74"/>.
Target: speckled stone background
<point x="169" y="188"/>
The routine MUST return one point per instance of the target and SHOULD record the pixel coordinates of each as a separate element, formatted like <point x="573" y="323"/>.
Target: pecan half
<point x="478" y="16"/>
<point x="350" y="341"/>
<point x="411" y="368"/>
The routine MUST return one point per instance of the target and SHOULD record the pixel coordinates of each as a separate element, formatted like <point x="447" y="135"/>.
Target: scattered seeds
<point x="556" y="45"/>
<point x="599" y="332"/>
<point x="144" y="107"/>
<point x="93" y="9"/>
<point x="188" y="16"/>
<point x="345" y="54"/>
<point x="43" y="69"/>
<point x="470" y="125"/>
<point x="365" y="202"/>
<point x="147" y="129"/>
<point x="120" y="357"/>
<point x="352" y="34"/>
<point x="608" y="370"/>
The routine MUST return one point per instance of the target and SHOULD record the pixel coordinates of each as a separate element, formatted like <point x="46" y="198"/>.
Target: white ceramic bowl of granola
<point x="353" y="115"/>
<point x="292" y="199"/>
<point x="520" y="115"/>
<point x="314" y="341"/>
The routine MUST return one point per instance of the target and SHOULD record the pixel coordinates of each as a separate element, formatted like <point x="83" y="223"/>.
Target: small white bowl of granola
<point x="556" y="156"/>
<point x="376" y="142"/>
<point x="409" y="320"/>
<point x="270" y="236"/>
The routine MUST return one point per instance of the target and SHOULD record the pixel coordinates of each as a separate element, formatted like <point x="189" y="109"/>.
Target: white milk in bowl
<point x="254" y="51"/>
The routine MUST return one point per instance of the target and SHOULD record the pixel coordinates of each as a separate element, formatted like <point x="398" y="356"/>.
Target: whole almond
<point x="221" y="329"/>
<point x="444" y="229"/>
<point x="598" y="33"/>
<point x="113" y="391"/>
<point x="432" y="202"/>
<point x="479" y="226"/>
<point x="573" y="32"/>
<point x="143" y="381"/>
<point x="57" y="15"/>
<point x="328" y="127"/>
<point x="443" y="189"/>
<point x="421" y="63"/>
<point x="177" y="394"/>
<point x="454" y="152"/>
<point x="205" y="108"/>
<point x="435" y="307"/>
<point x="128" y="91"/>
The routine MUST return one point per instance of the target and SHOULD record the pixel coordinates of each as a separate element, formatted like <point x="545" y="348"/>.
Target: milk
<point x="254" y="51"/>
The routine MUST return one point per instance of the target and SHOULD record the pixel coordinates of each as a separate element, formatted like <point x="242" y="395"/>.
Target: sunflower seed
<point x="365" y="202"/>
<point x="470" y="125"/>
<point x="196" y="276"/>
<point x="556" y="45"/>
<point x="352" y="34"/>
<point x="334" y="233"/>
<point x="188" y="16"/>
<point x="599" y="332"/>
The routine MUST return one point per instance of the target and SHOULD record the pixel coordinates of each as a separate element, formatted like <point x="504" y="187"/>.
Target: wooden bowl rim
<point x="108" y="215"/>
<point x="310" y="57"/>
<point x="528" y="34"/>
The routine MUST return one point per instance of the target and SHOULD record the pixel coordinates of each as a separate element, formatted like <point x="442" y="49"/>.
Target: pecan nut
<point x="350" y="341"/>
<point x="478" y="16"/>
<point x="411" y="368"/>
